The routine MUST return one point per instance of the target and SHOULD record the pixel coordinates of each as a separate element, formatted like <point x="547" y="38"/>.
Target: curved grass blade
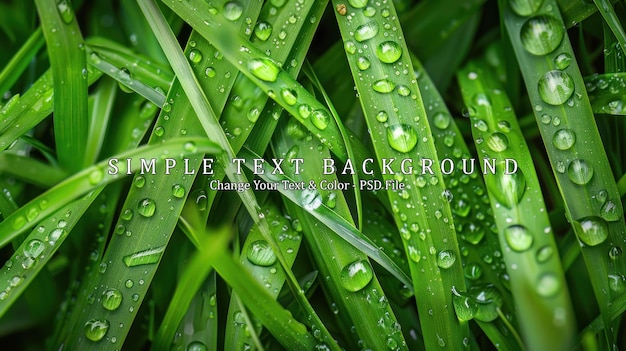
<point x="100" y="115"/>
<point x="91" y="178"/>
<point x="28" y="169"/>
<point x="349" y="275"/>
<point x="176" y="118"/>
<point x="128" y="79"/>
<point x="261" y="263"/>
<point x="399" y="130"/>
<point x="209" y="122"/>
<point x="34" y="105"/>
<point x="14" y="68"/>
<point x="68" y="63"/>
<point x="580" y="165"/>
<point x="326" y="215"/>
<point x="346" y="141"/>
<point x="194" y="274"/>
<point x="605" y="7"/>
<point x="483" y="266"/>
<point x="537" y="280"/>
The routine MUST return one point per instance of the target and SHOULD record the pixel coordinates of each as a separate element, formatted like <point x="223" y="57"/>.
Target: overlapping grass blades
<point x="398" y="125"/>
<point x="540" y="293"/>
<point x="563" y="113"/>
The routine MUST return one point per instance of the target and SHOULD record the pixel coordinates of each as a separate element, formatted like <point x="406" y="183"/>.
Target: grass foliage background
<point x="527" y="260"/>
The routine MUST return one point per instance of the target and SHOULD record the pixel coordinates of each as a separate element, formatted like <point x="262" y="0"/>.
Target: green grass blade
<point x="537" y="281"/>
<point x="349" y="275"/>
<point x="605" y="7"/>
<point x="34" y="105"/>
<point x="196" y="271"/>
<point x="310" y="200"/>
<point x="67" y="59"/>
<point x="100" y="116"/>
<point x="264" y="269"/>
<point x="91" y="178"/>
<point x="428" y="233"/>
<point x="562" y="108"/>
<point x="12" y="71"/>
<point x="27" y="169"/>
<point x="210" y="124"/>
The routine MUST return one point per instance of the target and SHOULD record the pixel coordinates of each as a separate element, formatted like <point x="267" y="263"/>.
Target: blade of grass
<point x="210" y="124"/>
<point x="537" y="281"/>
<point x="100" y="114"/>
<point x="18" y="63"/>
<point x="68" y="63"/>
<point x="262" y="265"/>
<point x="91" y="178"/>
<point x="563" y="113"/>
<point x="310" y="201"/>
<point x="349" y="275"/>
<point x="35" y="105"/>
<point x="395" y="114"/>
<point x="605" y="7"/>
<point x="483" y="266"/>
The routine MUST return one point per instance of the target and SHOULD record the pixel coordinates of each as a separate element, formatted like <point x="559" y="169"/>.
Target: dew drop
<point x="263" y="30"/>
<point x="544" y="254"/>
<point x="357" y="4"/>
<point x="320" y="119"/>
<point x="289" y="96"/>
<point x="402" y="137"/>
<point x="388" y="51"/>
<point x="149" y="256"/>
<point x="518" y="238"/>
<point x="363" y="63"/>
<point x="564" y="139"/>
<point x="464" y="306"/>
<point x="497" y="142"/>
<point x="594" y="230"/>
<point x="446" y="258"/>
<point x="508" y="189"/>
<point x="34" y="248"/>
<point x="304" y="111"/>
<point x="579" y="172"/>
<point x="311" y="199"/>
<point x="111" y="299"/>
<point x="383" y="86"/>
<point x="260" y="253"/>
<point x="617" y="283"/>
<point x="146" y="207"/>
<point x="65" y="11"/>
<point x="403" y="90"/>
<point x="525" y="7"/>
<point x="264" y="69"/>
<point x="209" y="72"/>
<point x="350" y="47"/>
<point x="366" y="31"/>
<point x="548" y="285"/>
<point x="541" y="35"/>
<point x="555" y="87"/>
<point x="139" y="181"/>
<point x="196" y="346"/>
<point x="488" y="301"/>
<point x="253" y="114"/>
<point x="562" y="61"/>
<point x="232" y="11"/>
<point x="472" y="271"/>
<point x="178" y="191"/>
<point x="55" y="235"/>
<point x="441" y="120"/>
<point x="195" y="56"/>
<point x="382" y="116"/>
<point x="356" y="275"/>
<point x="611" y="211"/>
<point x="96" y="329"/>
